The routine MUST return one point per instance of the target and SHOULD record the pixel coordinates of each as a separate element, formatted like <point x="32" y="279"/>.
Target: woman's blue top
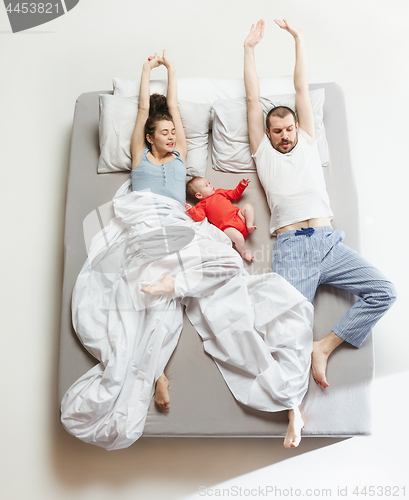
<point x="168" y="179"/>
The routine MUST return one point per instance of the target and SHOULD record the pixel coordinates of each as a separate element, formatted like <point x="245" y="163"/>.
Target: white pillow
<point x="207" y="89"/>
<point x="196" y="123"/>
<point x="231" y="146"/>
<point x="116" y="124"/>
<point x="117" y="116"/>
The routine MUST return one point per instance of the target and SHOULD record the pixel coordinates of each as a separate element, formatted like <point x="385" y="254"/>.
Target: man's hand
<point x="256" y="34"/>
<point x="302" y="95"/>
<point x="246" y="182"/>
<point x="285" y="25"/>
<point x="188" y="206"/>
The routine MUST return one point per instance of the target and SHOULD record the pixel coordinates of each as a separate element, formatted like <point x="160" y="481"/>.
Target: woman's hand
<point x="156" y="60"/>
<point x="153" y="61"/>
<point x="166" y="61"/>
<point x="256" y="34"/>
<point x="285" y="25"/>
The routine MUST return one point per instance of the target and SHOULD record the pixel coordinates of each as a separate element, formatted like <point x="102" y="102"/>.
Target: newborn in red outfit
<point x="215" y="204"/>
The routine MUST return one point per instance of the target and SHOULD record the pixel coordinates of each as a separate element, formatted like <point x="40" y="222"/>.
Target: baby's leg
<point x="246" y="212"/>
<point x="238" y="240"/>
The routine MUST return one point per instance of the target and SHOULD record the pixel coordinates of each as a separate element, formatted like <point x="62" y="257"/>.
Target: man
<point x="308" y="251"/>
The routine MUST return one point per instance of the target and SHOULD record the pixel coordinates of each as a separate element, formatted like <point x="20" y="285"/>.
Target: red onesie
<point x="220" y="211"/>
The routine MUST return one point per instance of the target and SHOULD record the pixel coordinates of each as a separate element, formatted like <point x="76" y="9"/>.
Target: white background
<point x="360" y="44"/>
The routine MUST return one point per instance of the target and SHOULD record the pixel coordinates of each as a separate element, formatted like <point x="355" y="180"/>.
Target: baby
<point x="215" y="204"/>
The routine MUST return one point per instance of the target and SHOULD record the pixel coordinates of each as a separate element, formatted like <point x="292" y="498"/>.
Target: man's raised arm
<point x="302" y="95"/>
<point x="255" y="117"/>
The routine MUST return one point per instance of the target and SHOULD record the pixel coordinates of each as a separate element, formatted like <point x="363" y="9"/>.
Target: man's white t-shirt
<point x="294" y="182"/>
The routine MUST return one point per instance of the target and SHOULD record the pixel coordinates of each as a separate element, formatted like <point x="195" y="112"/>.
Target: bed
<point x="201" y="403"/>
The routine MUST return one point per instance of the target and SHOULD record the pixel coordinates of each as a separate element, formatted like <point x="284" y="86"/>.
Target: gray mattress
<point x="201" y="403"/>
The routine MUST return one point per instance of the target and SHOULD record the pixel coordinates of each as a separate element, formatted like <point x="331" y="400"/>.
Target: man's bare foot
<point x="162" y="398"/>
<point x="251" y="229"/>
<point x="295" y="424"/>
<point x="247" y="256"/>
<point x="319" y="360"/>
<point x="166" y="285"/>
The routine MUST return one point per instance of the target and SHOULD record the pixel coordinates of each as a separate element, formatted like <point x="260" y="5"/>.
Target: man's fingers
<point x="280" y="23"/>
<point x="256" y="33"/>
<point x="260" y="26"/>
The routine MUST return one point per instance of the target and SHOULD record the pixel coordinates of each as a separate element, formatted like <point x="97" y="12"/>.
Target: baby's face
<point x="203" y="189"/>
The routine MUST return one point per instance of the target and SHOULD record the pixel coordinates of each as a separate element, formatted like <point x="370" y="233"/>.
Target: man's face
<point x="283" y="133"/>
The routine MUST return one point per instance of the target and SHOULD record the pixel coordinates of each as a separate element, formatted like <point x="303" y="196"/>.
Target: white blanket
<point x="257" y="328"/>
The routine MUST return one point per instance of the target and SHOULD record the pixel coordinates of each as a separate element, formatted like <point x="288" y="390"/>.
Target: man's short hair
<point x="190" y="186"/>
<point x="281" y="112"/>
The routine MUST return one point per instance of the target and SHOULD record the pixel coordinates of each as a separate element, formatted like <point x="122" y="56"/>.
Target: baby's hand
<point x="188" y="206"/>
<point x="246" y="182"/>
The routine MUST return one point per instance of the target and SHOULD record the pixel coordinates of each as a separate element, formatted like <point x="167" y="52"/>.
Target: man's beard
<point x="287" y="150"/>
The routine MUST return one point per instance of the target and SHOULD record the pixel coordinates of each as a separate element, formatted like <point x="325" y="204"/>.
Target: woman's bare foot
<point x="247" y="256"/>
<point x="166" y="285"/>
<point x="251" y="229"/>
<point x="295" y="424"/>
<point x="161" y="393"/>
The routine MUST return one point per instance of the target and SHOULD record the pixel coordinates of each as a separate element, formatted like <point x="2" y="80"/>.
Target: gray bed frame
<point x="201" y="403"/>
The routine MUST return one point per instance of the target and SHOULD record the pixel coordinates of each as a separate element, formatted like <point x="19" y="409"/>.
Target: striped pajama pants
<point x="307" y="261"/>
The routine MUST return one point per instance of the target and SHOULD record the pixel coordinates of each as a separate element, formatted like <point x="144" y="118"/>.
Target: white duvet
<point x="258" y="329"/>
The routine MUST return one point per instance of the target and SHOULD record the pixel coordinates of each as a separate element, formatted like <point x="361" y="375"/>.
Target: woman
<point x="159" y="150"/>
<point x="158" y="140"/>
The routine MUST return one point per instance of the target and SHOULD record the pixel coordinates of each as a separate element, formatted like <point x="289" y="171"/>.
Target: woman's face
<point x="164" y="137"/>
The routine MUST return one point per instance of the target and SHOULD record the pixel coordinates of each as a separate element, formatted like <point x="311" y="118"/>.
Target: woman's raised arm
<point x="172" y="102"/>
<point x="138" y="136"/>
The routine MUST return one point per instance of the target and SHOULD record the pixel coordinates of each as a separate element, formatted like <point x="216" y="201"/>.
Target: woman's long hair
<point x="158" y="110"/>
